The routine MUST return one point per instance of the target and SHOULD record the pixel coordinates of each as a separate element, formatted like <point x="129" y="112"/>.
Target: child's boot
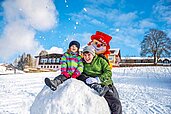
<point x="52" y="83"/>
<point x="101" y="90"/>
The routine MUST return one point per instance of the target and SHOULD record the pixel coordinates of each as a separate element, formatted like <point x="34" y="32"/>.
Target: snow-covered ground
<point x="4" y="71"/>
<point x="142" y="90"/>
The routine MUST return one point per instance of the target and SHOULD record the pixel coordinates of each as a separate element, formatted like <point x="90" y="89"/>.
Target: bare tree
<point x="156" y="44"/>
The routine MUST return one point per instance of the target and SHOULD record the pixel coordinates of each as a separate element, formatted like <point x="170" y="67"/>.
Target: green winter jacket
<point x="99" y="67"/>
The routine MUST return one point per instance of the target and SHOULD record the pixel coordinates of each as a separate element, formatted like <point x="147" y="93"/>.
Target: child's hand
<point x="74" y="75"/>
<point x="91" y="80"/>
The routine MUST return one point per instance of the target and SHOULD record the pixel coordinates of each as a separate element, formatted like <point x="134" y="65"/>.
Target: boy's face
<point x="74" y="48"/>
<point x="88" y="57"/>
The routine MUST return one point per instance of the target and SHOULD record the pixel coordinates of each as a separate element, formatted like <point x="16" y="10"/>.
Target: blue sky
<point x="31" y="26"/>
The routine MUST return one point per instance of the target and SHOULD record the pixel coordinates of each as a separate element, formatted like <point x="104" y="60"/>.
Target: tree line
<point x="23" y="60"/>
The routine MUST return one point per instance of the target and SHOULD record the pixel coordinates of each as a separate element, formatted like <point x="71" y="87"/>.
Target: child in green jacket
<point x="97" y="74"/>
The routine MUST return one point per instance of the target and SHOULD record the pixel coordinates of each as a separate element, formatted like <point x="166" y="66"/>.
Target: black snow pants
<point x="112" y="96"/>
<point x="61" y="78"/>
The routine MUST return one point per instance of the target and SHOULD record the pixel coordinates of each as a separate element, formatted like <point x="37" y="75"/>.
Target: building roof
<point x="145" y="58"/>
<point x="50" y="55"/>
<point x="137" y="57"/>
<point x="164" y="58"/>
<point x="115" y="51"/>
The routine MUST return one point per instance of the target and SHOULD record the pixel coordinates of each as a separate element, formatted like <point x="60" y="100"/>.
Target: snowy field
<point x="142" y="90"/>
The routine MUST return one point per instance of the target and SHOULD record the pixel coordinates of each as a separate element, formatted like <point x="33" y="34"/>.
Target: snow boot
<point x="52" y="84"/>
<point x="101" y="90"/>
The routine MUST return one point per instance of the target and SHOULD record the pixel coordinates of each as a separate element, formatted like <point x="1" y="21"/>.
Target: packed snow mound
<point x="71" y="97"/>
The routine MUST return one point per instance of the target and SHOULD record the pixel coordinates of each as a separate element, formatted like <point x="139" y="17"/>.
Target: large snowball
<point x="71" y="97"/>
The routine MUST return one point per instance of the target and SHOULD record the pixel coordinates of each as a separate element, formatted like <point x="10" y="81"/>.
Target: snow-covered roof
<point x="116" y="51"/>
<point x="163" y="58"/>
<point x="137" y="57"/>
<point x="145" y="58"/>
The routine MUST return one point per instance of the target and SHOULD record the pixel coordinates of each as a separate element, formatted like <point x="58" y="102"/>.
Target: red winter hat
<point x="102" y="37"/>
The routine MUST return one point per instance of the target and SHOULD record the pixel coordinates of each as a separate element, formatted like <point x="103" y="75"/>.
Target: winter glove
<point x="66" y="74"/>
<point x="74" y="75"/>
<point x="91" y="80"/>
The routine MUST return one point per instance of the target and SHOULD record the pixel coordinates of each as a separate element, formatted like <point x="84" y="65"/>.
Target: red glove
<point x="66" y="74"/>
<point x="74" y="75"/>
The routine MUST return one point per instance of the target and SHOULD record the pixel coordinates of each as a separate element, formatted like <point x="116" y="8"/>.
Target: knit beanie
<point x="74" y="43"/>
<point x="89" y="49"/>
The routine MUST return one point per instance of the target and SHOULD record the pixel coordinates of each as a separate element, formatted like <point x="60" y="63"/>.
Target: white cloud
<point x="98" y="23"/>
<point x="41" y="14"/>
<point x="102" y="2"/>
<point x="162" y="10"/>
<point x="23" y="19"/>
<point x="146" y="23"/>
<point x="127" y="37"/>
<point x="100" y="17"/>
<point x="109" y="14"/>
<point x="82" y="18"/>
<point x="127" y="16"/>
<point x="95" y="12"/>
<point x="17" y="38"/>
<point x="55" y="50"/>
<point x="124" y="19"/>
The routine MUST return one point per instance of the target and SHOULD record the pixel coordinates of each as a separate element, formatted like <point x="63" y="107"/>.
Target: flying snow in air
<point x="84" y="9"/>
<point x="117" y="30"/>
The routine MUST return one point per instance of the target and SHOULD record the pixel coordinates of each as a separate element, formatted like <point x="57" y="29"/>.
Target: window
<point x="112" y="51"/>
<point x="160" y="61"/>
<point x="165" y="61"/>
<point x="57" y="60"/>
<point x="43" y="60"/>
<point x="111" y="58"/>
<point x="53" y="60"/>
<point x="49" y="60"/>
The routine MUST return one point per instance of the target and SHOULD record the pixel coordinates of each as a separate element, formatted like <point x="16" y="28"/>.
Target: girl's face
<point x="88" y="57"/>
<point x="74" y="48"/>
